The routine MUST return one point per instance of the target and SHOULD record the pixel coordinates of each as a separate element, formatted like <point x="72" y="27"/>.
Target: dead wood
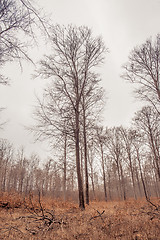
<point x="157" y="207"/>
<point x="99" y="215"/>
<point x="37" y="220"/>
<point x="4" y="204"/>
<point x="154" y="211"/>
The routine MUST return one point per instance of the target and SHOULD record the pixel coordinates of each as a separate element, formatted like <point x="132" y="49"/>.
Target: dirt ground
<point x="35" y="218"/>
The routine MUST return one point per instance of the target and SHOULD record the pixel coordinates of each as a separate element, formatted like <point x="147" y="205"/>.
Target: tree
<point x="115" y="150"/>
<point x="6" y="154"/>
<point x="91" y="158"/>
<point x="147" y="121"/>
<point x="75" y="53"/>
<point x="139" y="147"/>
<point x="54" y="125"/>
<point x="127" y="137"/>
<point x="92" y="104"/>
<point x="100" y="138"/>
<point x="143" y="69"/>
<point x="18" y="19"/>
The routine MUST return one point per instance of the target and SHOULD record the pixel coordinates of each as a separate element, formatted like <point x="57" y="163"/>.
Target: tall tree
<point x="92" y="104"/>
<point x="75" y="54"/>
<point x="143" y="69"/>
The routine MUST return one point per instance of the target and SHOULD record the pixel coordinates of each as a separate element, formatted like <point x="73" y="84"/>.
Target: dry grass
<point x="120" y="220"/>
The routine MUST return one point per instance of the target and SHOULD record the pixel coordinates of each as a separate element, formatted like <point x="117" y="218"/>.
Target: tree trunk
<point x="79" y="177"/>
<point x="104" y="175"/>
<point x="119" y="177"/>
<point x="109" y="186"/>
<point x="138" y="182"/>
<point x="132" y="174"/>
<point x="141" y="174"/>
<point x="123" y="183"/>
<point x="156" y="158"/>
<point x="92" y="174"/>
<point x="85" y="156"/>
<point x="65" y="167"/>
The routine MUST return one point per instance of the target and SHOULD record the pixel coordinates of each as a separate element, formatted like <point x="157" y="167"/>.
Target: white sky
<point x="123" y="24"/>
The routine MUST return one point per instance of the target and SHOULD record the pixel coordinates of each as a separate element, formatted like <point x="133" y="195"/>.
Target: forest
<point x="92" y="165"/>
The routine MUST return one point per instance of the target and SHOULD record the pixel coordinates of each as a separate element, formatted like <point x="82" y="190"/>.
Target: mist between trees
<point x="122" y="163"/>
<point x="93" y="162"/>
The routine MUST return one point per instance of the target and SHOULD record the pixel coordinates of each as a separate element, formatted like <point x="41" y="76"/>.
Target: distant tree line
<point x="122" y="163"/>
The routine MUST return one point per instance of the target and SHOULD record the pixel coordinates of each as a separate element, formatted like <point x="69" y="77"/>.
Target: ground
<point x="39" y="218"/>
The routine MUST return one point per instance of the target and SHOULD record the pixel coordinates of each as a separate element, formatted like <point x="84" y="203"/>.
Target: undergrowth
<point x="36" y="217"/>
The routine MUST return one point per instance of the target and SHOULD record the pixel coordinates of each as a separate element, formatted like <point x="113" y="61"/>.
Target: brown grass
<point x="120" y="220"/>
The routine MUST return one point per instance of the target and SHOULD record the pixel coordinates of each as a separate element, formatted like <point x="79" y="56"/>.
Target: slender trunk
<point x="157" y="183"/>
<point x="81" y="165"/>
<point x="104" y="175"/>
<point x="119" y="177"/>
<point x="109" y="186"/>
<point x="153" y="147"/>
<point x="93" y="187"/>
<point x="85" y="156"/>
<point x="92" y="174"/>
<point x="156" y="158"/>
<point x="72" y="181"/>
<point x="141" y="174"/>
<point x="65" y="167"/>
<point x="123" y="183"/>
<point x="132" y="174"/>
<point x="138" y="182"/>
<point x="80" y="185"/>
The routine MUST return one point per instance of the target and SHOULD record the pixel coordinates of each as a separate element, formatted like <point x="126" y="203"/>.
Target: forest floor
<point x="42" y="218"/>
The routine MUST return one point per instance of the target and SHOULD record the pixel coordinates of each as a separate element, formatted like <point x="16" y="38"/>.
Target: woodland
<point x="111" y="173"/>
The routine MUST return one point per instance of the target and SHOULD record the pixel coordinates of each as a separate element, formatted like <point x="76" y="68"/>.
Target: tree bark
<point x="85" y="156"/>
<point x="80" y="184"/>
<point x="104" y="175"/>
<point x="65" y="167"/>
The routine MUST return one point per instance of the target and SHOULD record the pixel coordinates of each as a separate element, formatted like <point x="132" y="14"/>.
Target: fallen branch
<point x="99" y="215"/>
<point x="154" y="212"/>
<point x="38" y="220"/>
<point x="44" y="218"/>
<point x="157" y="207"/>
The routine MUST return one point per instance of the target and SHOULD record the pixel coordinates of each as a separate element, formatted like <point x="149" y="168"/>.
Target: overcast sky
<point x="123" y="24"/>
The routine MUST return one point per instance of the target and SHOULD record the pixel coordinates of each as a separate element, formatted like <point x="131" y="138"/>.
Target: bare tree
<point x="6" y="154"/>
<point x="100" y="139"/>
<point x="127" y="136"/>
<point x="143" y="69"/>
<point x="54" y="124"/>
<point x="139" y="147"/>
<point x="18" y="21"/>
<point x="75" y="53"/>
<point x="22" y="168"/>
<point x="147" y="121"/>
<point x="92" y="104"/>
<point x="115" y="150"/>
<point x="91" y="159"/>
